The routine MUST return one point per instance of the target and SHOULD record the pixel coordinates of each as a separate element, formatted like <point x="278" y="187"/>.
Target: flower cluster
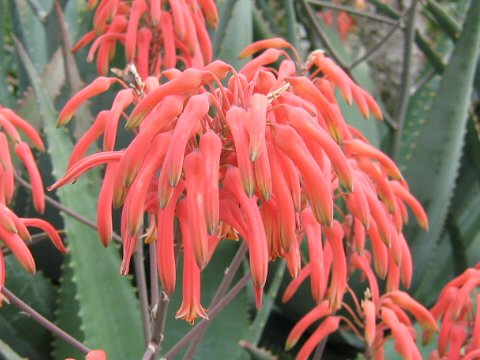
<point x="344" y="22"/>
<point x="13" y="229"/>
<point x="267" y="156"/>
<point x="375" y="317"/>
<point x="458" y="310"/>
<point x="155" y="34"/>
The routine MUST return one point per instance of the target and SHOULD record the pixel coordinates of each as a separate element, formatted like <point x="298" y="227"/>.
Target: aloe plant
<point x="253" y="112"/>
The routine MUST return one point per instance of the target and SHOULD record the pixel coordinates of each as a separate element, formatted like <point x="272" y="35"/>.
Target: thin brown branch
<point x="34" y="239"/>
<point x="142" y="289"/>
<point x="152" y="253"/>
<point x="230" y="272"/>
<point x="64" y="209"/>
<point x="377" y="46"/>
<point x="44" y="322"/>
<point x="183" y="342"/>
<point x="158" y="329"/>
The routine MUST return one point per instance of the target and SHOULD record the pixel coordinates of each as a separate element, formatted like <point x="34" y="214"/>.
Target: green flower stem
<point x="183" y="342"/>
<point x="47" y="324"/>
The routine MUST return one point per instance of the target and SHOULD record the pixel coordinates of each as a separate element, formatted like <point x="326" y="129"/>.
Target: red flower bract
<point x="251" y="153"/>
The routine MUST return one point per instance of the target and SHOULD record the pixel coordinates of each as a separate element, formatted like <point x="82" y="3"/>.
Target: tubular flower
<point x="14" y="234"/>
<point x="155" y="34"/>
<point x="263" y="153"/>
<point x="458" y="310"/>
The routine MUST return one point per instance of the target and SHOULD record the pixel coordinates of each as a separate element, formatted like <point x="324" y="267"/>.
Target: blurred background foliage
<point x="413" y="56"/>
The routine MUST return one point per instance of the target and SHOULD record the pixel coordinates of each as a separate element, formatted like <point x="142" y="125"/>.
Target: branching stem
<point x="183" y="342"/>
<point x="44" y="322"/>
<point x="142" y="289"/>
<point x="230" y="272"/>
<point x="64" y="209"/>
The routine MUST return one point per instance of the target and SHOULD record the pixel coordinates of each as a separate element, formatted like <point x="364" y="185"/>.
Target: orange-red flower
<point x="457" y="309"/>
<point x="13" y="230"/>
<point x="256" y="153"/>
<point x="155" y="34"/>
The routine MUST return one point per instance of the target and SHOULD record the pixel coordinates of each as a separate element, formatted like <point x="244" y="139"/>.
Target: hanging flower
<point x="13" y="229"/>
<point x="457" y="309"/>
<point x="155" y="34"/>
<point x="264" y="153"/>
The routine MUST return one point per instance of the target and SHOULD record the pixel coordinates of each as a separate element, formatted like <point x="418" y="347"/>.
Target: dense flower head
<point x="155" y="34"/>
<point x="262" y="153"/>
<point x="13" y="229"/>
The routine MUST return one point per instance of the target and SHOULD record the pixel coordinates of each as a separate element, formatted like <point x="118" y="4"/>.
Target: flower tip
<point x="201" y="262"/>
<point x="266" y="194"/>
<point x="28" y="264"/>
<point x="39" y="207"/>
<point x="427" y="337"/>
<point x="347" y="183"/>
<point x="289" y="345"/>
<point x="53" y="187"/>
<point x="63" y="249"/>
<point x="336" y="133"/>
<point x="291" y="342"/>
<point x="424" y="224"/>
<point x="323" y="217"/>
<point x="134" y="120"/>
<point x="63" y="120"/>
<point x="125" y="267"/>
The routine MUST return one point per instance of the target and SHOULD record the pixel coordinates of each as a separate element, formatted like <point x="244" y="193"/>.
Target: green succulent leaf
<point x="454" y="250"/>
<point x="258" y="325"/>
<point x="436" y="158"/>
<point x="67" y="314"/>
<point x="445" y="21"/>
<point x="234" y="32"/>
<point x="22" y="334"/>
<point x="109" y="310"/>
<point x="228" y="328"/>
<point x="7" y="353"/>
